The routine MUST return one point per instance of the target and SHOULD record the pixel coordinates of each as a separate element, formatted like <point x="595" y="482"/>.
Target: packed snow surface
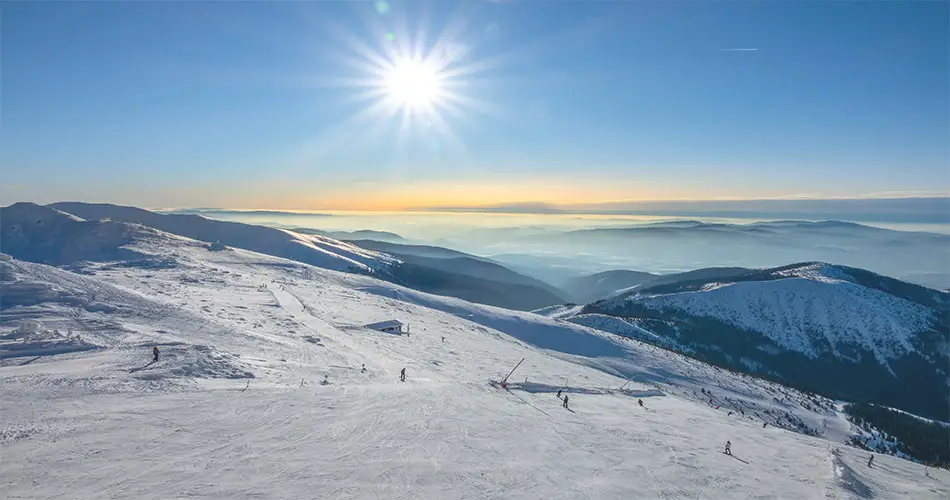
<point x="237" y="407"/>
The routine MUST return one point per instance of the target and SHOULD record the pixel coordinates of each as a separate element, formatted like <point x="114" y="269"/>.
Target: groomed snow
<point x="235" y="407"/>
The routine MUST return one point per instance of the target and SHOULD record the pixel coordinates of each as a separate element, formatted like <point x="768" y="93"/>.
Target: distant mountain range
<point x="836" y="330"/>
<point x="902" y="209"/>
<point x="560" y="255"/>
<point x="226" y="212"/>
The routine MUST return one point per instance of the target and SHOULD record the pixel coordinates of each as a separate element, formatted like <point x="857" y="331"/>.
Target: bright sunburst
<point x="401" y="76"/>
<point x="413" y="84"/>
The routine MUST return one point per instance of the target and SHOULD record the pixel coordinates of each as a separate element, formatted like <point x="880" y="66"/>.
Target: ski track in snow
<point x="80" y="425"/>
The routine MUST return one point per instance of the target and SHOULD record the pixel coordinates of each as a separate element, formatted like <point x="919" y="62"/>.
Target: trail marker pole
<point x="505" y="380"/>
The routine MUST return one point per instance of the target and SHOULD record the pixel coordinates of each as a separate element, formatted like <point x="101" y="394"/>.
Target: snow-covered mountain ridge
<point x="831" y="316"/>
<point x="468" y="278"/>
<point x="809" y="309"/>
<point x="312" y="249"/>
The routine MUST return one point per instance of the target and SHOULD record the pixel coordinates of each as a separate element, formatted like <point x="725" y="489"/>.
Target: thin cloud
<point x="741" y="49"/>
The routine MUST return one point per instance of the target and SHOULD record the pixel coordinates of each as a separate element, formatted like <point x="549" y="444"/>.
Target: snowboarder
<point x="640" y="402"/>
<point x="565" y="401"/>
<point x="326" y="380"/>
<point x="402" y="375"/>
<point x="764" y="424"/>
<point x="363" y="369"/>
<point x="559" y="393"/>
<point x="871" y="460"/>
<point x="728" y="448"/>
<point x="155" y="354"/>
<point x="443" y="338"/>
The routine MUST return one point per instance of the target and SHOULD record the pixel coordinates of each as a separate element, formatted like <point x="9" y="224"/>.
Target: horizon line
<point x="565" y="207"/>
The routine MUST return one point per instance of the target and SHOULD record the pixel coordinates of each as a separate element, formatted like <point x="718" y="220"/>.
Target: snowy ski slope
<point x="235" y="407"/>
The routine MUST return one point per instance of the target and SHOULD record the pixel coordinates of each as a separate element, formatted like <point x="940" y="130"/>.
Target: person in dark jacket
<point x="155" y="354"/>
<point x="402" y="375"/>
<point x="565" y="400"/>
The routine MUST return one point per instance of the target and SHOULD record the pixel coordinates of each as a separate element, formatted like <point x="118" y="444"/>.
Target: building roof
<point x="391" y="323"/>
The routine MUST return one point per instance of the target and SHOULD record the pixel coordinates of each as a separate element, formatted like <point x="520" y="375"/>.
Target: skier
<point x="764" y="424"/>
<point x="363" y="370"/>
<point x="728" y="448"/>
<point x="640" y="402"/>
<point x="402" y="375"/>
<point x="871" y="460"/>
<point x="565" y="401"/>
<point x="559" y="393"/>
<point x="443" y="338"/>
<point x="155" y="354"/>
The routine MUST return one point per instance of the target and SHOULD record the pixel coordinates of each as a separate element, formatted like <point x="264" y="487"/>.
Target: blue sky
<point x="252" y="105"/>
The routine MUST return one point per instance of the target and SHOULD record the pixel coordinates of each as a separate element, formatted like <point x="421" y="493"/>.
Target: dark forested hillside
<point x="923" y="440"/>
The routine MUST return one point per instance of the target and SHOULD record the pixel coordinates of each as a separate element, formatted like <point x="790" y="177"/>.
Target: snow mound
<point x="32" y="338"/>
<point x="193" y="361"/>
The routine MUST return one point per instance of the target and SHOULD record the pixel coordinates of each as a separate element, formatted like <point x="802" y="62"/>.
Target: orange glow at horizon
<point x="420" y="196"/>
<point x="393" y="195"/>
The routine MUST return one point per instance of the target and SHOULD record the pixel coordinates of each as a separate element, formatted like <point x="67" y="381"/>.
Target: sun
<point x="412" y="87"/>
<point x="413" y="84"/>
